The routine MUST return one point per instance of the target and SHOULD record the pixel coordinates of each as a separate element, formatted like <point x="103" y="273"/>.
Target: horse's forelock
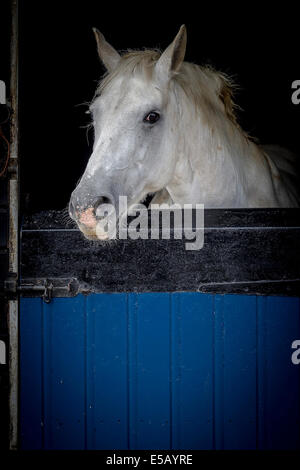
<point x="133" y="62"/>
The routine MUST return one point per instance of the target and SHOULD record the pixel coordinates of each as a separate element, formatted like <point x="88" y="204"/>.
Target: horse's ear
<point x="108" y="55"/>
<point x="172" y="58"/>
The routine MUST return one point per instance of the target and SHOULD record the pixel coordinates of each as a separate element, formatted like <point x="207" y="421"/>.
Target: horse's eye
<point x="151" y="117"/>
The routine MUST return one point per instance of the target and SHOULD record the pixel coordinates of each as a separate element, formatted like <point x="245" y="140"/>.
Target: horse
<point x="168" y="128"/>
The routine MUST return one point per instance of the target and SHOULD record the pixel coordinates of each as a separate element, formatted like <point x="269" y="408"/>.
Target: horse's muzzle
<point x="88" y="216"/>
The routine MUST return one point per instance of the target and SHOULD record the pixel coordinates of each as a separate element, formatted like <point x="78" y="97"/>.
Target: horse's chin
<point x="97" y="233"/>
<point x="102" y="234"/>
<point x="89" y="234"/>
<point x="90" y="237"/>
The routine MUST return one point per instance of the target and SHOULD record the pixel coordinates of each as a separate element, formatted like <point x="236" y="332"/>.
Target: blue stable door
<point x="159" y="371"/>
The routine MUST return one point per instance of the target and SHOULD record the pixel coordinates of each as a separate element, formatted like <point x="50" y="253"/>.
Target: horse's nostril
<point x="102" y="200"/>
<point x="87" y="218"/>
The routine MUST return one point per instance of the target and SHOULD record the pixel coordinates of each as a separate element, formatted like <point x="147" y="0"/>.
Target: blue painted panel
<point x="107" y="367"/>
<point x="31" y="406"/>
<point x="64" y="373"/>
<point x="149" y="371"/>
<point x="235" y="372"/>
<point x="278" y="377"/>
<point x="160" y="371"/>
<point x="192" y="371"/>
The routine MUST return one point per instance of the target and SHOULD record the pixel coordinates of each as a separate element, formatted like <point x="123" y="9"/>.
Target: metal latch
<point x="44" y="288"/>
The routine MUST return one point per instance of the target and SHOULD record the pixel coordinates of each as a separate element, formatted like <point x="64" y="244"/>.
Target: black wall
<point x="59" y="70"/>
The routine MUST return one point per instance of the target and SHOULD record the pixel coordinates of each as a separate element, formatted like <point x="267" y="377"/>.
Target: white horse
<point x="168" y="127"/>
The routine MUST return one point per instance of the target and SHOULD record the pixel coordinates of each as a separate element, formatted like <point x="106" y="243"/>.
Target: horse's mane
<point x="203" y="85"/>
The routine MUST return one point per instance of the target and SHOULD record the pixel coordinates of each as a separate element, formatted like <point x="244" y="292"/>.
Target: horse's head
<point x="133" y="130"/>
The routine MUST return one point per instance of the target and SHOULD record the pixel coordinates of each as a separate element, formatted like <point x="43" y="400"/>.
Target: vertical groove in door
<point x="42" y="374"/>
<point x="261" y="368"/>
<point x="213" y="366"/>
<point x="132" y="370"/>
<point x="175" y="354"/>
<point x="85" y="348"/>
<point x="90" y="365"/>
<point x="47" y="373"/>
<point x="127" y="375"/>
<point x="171" y="370"/>
<point x="219" y="373"/>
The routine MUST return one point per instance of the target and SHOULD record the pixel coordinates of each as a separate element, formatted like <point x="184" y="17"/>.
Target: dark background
<point x="59" y="70"/>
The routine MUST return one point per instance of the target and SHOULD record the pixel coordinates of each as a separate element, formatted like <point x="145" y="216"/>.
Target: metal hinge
<point x="44" y="288"/>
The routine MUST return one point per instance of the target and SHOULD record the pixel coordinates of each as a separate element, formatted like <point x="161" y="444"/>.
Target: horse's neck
<point x="219" y="167"/>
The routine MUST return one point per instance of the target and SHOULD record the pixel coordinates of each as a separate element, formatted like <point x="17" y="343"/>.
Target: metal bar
<point x="13" y="311"/>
